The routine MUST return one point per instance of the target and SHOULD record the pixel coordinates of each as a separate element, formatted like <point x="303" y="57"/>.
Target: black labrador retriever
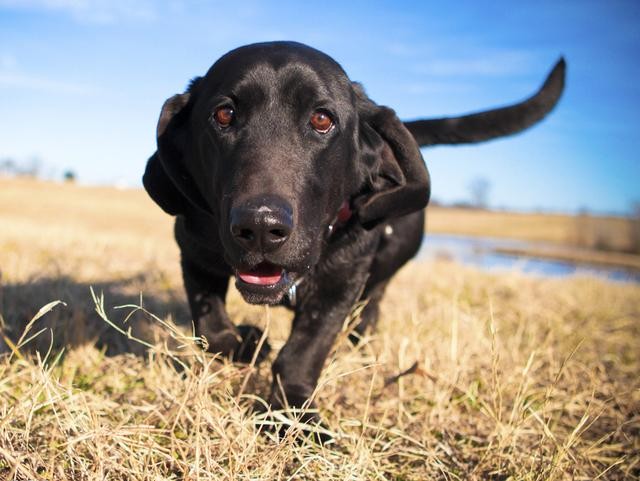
<point x="284" y="175"/>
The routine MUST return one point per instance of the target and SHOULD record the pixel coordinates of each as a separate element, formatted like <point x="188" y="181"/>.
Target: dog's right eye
<point x="224" y="116"/>
<point x="321" y="121"/>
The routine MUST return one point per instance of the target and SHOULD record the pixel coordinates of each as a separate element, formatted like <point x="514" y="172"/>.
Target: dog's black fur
<point x="262" y="193"/>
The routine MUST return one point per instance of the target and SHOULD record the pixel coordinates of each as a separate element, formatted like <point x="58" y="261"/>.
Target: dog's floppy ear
<point x="166" y="177"/>
<point x="160" y="188"/>
<point x="398" y="181"/>
<point x="156" y="180"/>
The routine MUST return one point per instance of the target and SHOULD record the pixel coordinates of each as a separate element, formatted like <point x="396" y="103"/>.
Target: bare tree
<point x="634" y="228"/>
<point x="7" y="166"/>
<point x="26" y="168"/>
<point x="69" y="176"/>
<point x="479" y="189"/>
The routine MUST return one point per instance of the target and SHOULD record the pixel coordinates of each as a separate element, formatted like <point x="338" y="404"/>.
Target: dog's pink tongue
<point x="264" y="274"/>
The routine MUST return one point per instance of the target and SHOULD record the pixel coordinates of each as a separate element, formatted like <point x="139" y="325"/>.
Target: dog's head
<point x="275" y="145"/>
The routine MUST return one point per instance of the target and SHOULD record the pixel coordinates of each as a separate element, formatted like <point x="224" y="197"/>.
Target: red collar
<point x="344" y="214"/>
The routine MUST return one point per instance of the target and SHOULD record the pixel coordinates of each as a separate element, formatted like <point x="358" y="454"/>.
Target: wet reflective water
<point x="480" y="252"/>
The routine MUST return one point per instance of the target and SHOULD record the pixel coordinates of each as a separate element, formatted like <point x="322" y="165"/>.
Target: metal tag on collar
<point x="292" y="292"/>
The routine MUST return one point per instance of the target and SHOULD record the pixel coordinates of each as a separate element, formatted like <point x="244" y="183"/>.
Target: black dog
<point x="285" y="175"/>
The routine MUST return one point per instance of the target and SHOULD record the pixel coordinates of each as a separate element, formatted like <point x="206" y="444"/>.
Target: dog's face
<point x="272" y="144"/>
<point x="280" y="131"/>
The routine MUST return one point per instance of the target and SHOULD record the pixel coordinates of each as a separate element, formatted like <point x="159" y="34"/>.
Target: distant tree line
<point x="29" y="168"/>
<point x="32" y="168"/>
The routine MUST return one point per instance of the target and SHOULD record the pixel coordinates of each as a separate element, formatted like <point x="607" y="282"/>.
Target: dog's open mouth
<point x="265" y="283"/>
<point x="264" y="274"/>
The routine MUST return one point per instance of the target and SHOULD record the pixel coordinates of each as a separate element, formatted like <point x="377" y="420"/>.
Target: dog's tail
<point x="489" y="124"/>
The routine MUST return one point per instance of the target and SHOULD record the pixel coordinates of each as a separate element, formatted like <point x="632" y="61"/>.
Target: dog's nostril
<point x="278" y="233"/>
<point x="246" y="234"/>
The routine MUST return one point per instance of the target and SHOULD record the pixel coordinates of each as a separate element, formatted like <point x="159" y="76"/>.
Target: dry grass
<point x="516" y="377"/>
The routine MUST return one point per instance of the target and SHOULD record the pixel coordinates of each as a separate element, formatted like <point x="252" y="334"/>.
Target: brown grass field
<point x="471" y="375"/>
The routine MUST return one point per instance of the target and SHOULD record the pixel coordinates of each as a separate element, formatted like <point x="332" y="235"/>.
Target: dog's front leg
<point x="320" y="315"/>
<point x="206" y="293"/>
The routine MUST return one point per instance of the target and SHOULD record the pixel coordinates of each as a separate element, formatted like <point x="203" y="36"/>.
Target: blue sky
<point x="82" y="82"/>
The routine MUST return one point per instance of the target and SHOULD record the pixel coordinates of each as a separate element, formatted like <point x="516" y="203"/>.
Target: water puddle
<point x="481" y="252"/>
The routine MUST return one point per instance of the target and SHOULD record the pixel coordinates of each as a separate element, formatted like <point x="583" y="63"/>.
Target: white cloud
<point x="13" y="77"/>
<point x="435" y="87"/>
<point x="18" y="80"/>
<point x="399" y="49"/>
<point x="89" y="11"/>
<point x="484" y="64"/>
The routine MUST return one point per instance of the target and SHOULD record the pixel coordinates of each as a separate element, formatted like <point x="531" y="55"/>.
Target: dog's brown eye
<point x="321" y="121"/>
<point x="224" y="116"/>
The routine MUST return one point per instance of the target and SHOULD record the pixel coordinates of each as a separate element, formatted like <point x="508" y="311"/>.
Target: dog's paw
<point x="302" y="425"/>
<point x="251" y="337"/>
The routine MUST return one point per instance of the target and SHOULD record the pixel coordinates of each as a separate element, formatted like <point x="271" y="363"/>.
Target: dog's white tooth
<point x="388" y="230"/>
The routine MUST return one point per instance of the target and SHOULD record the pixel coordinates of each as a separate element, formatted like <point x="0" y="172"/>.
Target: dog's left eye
<point x="321" y="121"/>
<point x="224" y="116"/>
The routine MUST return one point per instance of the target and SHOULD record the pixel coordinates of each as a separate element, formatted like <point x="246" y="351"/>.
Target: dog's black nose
<point x="262" y="224"/>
